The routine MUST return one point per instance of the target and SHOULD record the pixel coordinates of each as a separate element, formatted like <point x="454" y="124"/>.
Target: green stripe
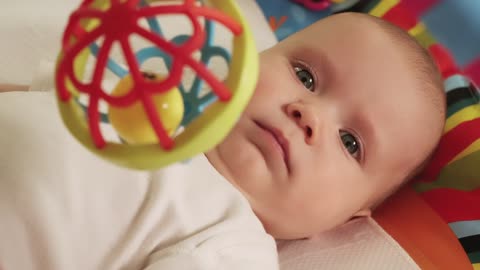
<point x="462" y="174"/>
<point x="474" y="257"/>
<point x="457" y="106"/>
<point x="370" y="6"/>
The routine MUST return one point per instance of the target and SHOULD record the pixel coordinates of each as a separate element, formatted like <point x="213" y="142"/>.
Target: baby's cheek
<point x="276" y="87"/>
<point x="259" y="98"/>
<point x="266" y="81"/>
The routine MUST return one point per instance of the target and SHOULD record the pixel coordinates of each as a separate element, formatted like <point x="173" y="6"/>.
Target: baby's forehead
<point x="351" y="22"/>
<point x="352" y="32"/>
<point x="359" y="26"/>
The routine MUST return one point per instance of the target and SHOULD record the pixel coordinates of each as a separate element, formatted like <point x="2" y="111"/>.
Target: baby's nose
<point x="305" y="118"/>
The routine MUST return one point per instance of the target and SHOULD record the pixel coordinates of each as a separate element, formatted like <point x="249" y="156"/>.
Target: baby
<point x="344" y="112"/>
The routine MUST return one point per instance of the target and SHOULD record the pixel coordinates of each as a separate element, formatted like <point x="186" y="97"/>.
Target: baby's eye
<point x="306" y="78"/>
<point x="351" y="143"/>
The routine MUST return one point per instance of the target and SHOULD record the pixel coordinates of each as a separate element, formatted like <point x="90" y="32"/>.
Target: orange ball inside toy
<point x="132" y="123"/>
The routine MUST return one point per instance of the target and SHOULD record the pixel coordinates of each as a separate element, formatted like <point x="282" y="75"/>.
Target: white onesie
<point x="63" y="208"/>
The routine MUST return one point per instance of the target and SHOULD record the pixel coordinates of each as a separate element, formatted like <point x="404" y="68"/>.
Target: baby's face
<point x="336" y="121"/>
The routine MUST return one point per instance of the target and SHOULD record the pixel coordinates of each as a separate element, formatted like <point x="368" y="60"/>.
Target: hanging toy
<point x="147" y="117"/>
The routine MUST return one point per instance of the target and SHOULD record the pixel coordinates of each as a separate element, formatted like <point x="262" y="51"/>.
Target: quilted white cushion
<point x="357" y="245"/>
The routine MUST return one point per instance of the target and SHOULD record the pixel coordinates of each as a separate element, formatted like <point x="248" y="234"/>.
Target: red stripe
<point x="451" y="144"/>
<point x="419" y="7"/>
<point x="401" y="17"/>
<point x="454" y="205"/>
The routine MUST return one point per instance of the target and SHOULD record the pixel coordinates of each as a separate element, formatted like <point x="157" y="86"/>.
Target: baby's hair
<point x="433" y="89"/>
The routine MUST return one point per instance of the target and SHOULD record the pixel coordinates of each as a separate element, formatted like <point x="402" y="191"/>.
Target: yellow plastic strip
<point x="421" y="34"/>
<point x="426" y="39"/>
<point x="476" y="266"/>
<point x="465" y="114"/>
<point x="383" y="7"/>
<point x="417" y="29"/>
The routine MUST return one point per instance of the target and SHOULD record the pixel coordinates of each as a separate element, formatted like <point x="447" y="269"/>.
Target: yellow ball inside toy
<point x="132" y="123"/>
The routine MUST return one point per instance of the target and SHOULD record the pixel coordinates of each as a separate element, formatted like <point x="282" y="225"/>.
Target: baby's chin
<point x="291" y="227"/>
<point x="288" y="233"/>
<point x="284" y="228"/>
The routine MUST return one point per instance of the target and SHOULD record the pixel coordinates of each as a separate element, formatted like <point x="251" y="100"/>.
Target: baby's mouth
<point x="280" y="139"/>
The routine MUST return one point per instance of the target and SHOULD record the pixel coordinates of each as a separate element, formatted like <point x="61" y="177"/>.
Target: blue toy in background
<point x="443" y="18"/>
<point x="289" y="16"/>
